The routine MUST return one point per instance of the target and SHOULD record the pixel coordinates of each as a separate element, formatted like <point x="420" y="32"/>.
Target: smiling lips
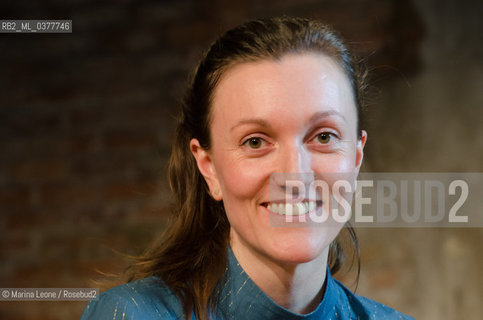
<point x="292" y="209"/>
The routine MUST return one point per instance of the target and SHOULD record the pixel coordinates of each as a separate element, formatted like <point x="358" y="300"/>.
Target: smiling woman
<point x="270" y="96"/>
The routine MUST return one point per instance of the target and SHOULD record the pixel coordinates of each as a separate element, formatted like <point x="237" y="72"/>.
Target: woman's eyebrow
<point x="264" y="123"/>
<point x="257" y="121"/>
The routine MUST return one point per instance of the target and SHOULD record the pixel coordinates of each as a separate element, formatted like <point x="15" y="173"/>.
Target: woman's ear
<point x="206" y="166"/>
<point x="360" y="150"/>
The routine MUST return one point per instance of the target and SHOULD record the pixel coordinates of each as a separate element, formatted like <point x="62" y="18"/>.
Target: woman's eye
<point x="254" y="143"/>
<point x="324" y="137"/>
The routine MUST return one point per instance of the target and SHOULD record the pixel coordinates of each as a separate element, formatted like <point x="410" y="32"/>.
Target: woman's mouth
<point x="292" y="209"/>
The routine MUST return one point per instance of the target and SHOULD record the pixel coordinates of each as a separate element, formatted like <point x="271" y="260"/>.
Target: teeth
<point x="300" y="208"/>
<point x="281" y="208"/>
<point x="312" y="205"/>
<point x="289" y="209"/>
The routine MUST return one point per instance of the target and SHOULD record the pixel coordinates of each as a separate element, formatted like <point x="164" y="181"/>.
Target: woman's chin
<point x="297" y="252"/>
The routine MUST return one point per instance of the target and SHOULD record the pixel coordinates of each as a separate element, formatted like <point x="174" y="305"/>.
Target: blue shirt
<point x="240" y="298"/>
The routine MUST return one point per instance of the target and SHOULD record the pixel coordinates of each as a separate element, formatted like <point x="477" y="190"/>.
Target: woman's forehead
<point x="301" y="83"/>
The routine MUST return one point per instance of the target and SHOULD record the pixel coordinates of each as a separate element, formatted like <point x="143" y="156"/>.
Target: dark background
<point x="86" y="124"/>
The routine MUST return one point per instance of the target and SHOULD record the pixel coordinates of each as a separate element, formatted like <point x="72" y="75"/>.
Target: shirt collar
<point x="239" y="295"/>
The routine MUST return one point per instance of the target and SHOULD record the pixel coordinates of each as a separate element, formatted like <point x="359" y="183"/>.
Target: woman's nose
<point x="295" y="169"/>
<point x="295" y="158"/>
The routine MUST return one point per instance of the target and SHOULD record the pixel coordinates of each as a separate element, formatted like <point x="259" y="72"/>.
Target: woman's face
<point x="294" y="115"/>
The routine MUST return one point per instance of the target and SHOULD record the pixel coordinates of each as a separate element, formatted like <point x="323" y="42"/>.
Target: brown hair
<point x="191" y="255"/>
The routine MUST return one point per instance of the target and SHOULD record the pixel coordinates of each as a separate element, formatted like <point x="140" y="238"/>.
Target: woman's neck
<point x="296" y="287"/>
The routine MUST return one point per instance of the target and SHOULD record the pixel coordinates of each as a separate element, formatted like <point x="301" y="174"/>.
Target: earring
<point x="216" y="192"/>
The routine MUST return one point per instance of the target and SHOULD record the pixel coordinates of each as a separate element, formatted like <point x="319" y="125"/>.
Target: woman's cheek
<point x="333" y="163"/>
<point x="246" y="177"/>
